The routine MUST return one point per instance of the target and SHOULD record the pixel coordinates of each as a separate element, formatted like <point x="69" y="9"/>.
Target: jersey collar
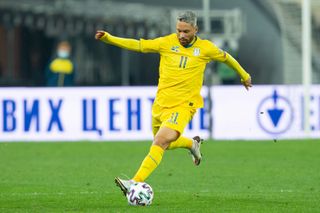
<point x="191" y="43"/>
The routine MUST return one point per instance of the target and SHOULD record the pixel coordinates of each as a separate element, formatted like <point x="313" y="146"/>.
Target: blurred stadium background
<point x="267" y="35"/>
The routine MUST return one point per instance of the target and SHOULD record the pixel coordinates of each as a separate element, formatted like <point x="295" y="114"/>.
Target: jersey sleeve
<point x="150" y="45"/>
<point x="215" y="53"/>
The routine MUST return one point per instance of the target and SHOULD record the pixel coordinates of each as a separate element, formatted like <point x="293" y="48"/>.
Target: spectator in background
<point x="61" y="69"/>
<point x="226" y="74"/>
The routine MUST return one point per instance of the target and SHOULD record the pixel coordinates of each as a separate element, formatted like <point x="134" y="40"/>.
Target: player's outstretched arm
<point x="245" y="77"/>
<point x="126" y="43"/>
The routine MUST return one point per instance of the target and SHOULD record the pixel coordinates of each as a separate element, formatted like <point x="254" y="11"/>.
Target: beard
<point x="185" y="41"/>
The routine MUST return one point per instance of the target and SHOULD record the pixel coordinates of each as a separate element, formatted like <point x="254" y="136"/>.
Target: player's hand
<point x="99" y="34"/>
<point x="247" y="84"/>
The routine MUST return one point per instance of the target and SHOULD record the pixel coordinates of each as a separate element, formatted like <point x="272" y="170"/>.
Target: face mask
<point x="63" y="54"/>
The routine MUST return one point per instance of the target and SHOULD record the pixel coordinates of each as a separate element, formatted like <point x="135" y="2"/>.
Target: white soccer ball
<point x="140" y="194"/>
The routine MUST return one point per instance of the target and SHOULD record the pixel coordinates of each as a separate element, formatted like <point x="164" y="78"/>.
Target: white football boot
<point x="195" y="150"/>
<point x="124" y="185"/>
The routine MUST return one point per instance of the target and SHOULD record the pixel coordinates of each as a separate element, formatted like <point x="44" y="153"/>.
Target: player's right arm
<point x="126" y="43"/>
<point x="152" y="45"/>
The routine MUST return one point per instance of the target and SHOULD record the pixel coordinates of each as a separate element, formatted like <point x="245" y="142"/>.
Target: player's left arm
<point x="222" y="56"/>
<point x="234" y="64"/>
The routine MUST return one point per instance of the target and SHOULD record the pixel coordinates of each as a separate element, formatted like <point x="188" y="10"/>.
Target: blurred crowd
<point x="31" y="32"/>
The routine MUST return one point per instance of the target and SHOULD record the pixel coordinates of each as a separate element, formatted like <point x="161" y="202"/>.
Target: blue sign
<point x="275" y="114"/>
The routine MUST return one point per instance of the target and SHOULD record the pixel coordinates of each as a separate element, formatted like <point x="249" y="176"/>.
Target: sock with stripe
<point x="150" y="162"/>
<point x="182" y="142"/>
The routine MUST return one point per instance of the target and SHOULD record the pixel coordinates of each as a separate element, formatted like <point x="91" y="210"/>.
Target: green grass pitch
<point x="238" y="176"/>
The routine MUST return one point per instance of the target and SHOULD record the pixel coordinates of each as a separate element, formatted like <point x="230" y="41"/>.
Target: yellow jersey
<point x="181" y="69"/>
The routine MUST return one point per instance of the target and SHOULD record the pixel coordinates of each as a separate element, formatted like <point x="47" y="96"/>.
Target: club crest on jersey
<point x="196" y="51"/>
<point x="175" y="49"/>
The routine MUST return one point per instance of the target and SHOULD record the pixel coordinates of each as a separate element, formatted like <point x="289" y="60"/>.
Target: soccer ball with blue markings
<point x="140" y="194"/>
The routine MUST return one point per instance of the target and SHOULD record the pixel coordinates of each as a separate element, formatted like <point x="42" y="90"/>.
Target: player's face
<point x="185" y="32"/>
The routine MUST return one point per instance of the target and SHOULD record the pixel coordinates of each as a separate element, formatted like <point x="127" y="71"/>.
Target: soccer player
<point x="182" y="63"/>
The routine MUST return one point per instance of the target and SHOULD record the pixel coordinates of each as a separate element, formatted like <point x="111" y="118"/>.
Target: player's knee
<point x="162" y="142"/>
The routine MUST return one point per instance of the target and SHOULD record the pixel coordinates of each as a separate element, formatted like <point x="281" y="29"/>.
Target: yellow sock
<point x="182" y="142"/>
<point x="150" y="162"/>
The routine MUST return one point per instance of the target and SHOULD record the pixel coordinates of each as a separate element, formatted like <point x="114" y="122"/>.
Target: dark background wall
<point x="260" y="48"/>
